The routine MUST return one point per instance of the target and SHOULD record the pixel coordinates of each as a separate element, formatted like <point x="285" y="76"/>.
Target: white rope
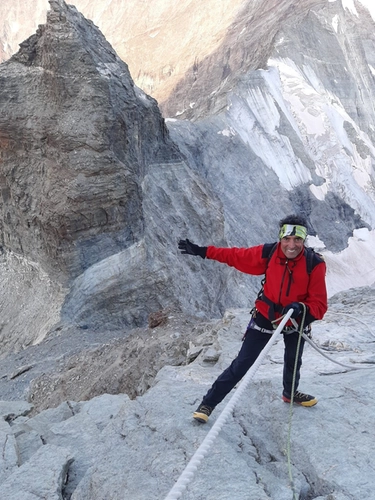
<point x="352" y="367"/>
<point x="196" y="459"/>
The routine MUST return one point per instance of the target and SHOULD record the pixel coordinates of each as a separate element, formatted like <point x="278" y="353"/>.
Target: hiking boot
<point x="300" y="399"/>
<point x="202" y="413"/>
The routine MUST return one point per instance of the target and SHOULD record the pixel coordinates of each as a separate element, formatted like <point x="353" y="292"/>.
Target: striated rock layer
<point x="76" y="139"/>
<point x="92" y="188"/>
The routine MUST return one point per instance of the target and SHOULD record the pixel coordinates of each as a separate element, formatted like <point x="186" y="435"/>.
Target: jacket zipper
<point x="282" y="281"/>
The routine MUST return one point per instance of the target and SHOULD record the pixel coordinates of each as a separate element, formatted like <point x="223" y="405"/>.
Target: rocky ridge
<point x="206" y="59"/>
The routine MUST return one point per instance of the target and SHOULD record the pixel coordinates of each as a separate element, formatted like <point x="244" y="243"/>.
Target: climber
<point x="289" y="284"/>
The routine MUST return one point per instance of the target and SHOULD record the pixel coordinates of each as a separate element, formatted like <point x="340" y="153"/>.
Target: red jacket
<point x="286" y="281"/>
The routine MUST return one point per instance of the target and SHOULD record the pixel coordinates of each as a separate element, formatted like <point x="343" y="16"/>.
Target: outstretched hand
<point x="189" y="248"/>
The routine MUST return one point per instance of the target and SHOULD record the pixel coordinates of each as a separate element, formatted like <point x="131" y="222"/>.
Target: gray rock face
<point x="92" y="186"/>
<point x="77" y="138"/>
<point x="73" y="132"/>
<point x="294" y="132"/>
<point x="37" y="479"/>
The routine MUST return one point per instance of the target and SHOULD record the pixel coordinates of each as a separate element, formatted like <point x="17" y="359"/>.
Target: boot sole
<point x="313" y="402"/>
<point x="200" y="417"/>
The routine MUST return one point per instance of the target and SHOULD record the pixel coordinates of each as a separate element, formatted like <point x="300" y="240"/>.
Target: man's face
<point x="291" y="246"/>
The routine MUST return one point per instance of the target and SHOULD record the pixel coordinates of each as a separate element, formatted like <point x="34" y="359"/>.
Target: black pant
<point x="252" y="346"/>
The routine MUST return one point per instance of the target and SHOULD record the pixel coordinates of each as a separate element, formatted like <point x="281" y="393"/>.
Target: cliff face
<point x="92" y="188"/>
<point x="298" y="134"/>
<point x="95" y="191"/>
<point x="75" y="138"/>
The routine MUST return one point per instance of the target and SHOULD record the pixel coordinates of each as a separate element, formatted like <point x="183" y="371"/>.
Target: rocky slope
<point x="114" y="447"/>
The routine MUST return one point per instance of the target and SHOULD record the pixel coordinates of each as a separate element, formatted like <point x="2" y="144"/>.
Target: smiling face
<point x="291" y="246"/>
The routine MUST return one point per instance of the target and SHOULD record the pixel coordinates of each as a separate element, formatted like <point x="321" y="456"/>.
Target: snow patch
<point x="362" y="234"/>
<point x="315" y="242"/>
<point x="349" y="5"/>
<point x="335" y="22"/>
<point x="370" y="6"/>
<point x="228" y="132"/>
<point x="301" y="96"/>
<point x="320" y="192"/>
<point x="354" y="266"/>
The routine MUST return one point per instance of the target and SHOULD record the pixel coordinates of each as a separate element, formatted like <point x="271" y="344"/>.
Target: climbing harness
<point x="287" y="329"/>
<point x="192" y="466"/>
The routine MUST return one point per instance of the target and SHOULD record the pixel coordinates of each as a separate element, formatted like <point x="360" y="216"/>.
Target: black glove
<point x="297" y="309"/>
<point x="187" y="247"/>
